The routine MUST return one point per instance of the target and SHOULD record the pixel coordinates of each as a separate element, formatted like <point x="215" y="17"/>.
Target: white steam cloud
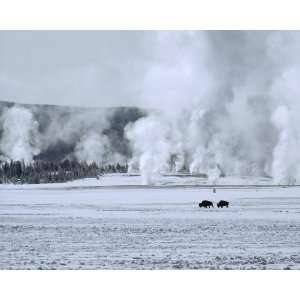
<point x="286" y="158"/>
<point x="24" y="134"/>
<point x="20" y="134"/>
<point x="224" y="100"/>
<point x="95" y="147"/>
<point x="220" y="103"/>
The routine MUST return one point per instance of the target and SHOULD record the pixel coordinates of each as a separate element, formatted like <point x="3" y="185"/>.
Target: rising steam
<point x="20" y="135"/>
<point x="217" y="93"/>
<point x="220" y="103"/>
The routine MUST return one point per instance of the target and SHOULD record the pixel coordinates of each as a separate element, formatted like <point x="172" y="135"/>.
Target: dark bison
<point x="206" y="203"/>
<point x="223" y="203"/>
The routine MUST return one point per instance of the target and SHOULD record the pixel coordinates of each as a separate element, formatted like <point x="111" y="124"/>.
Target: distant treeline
<point x="50" y="172"/>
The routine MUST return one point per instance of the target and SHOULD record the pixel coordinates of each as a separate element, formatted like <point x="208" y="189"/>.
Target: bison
<point x="206" y="203"/>
<point x="223" y="203"/>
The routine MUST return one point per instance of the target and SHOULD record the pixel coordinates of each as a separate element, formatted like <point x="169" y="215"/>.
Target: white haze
<point x="223" y="103"/>
<point x="20" y="140"/>
<point x="228" y="104"/>
<point x="95" y="147"/>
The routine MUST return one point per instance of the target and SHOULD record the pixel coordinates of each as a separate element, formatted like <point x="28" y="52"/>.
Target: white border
<point x="150" y="14"/>
<point x="145" y="285"/>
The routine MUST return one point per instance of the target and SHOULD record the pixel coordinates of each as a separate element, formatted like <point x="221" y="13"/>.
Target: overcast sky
<point x="90" y="68"/>
<point x="143" y="68"/>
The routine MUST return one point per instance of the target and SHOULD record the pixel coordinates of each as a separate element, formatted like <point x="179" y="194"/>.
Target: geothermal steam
<point x="220" y="103"/>
<point x="285" y="167"/>
<point x="20" y="134"/>
<point x="224" y="100"/>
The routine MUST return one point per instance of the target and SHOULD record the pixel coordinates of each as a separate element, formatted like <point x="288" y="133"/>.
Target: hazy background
<point x="85" y="68"/>
<point x="226" y="102"/>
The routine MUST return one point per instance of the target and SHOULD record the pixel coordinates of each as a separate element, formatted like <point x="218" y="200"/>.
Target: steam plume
<point x="217" y="93"/>
<point x="20" y="135"/>
<point x="219" y="103"/>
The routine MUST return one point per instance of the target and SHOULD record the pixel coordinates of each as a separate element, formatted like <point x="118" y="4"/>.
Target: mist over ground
<point x="214" y="102"/>
<point x="54" y="133"/>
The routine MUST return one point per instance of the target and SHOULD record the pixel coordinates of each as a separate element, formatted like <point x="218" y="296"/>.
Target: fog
<point x="219" y="102"/>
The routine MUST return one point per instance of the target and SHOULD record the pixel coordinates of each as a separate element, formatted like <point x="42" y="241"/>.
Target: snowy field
<point x="114" y="223"/>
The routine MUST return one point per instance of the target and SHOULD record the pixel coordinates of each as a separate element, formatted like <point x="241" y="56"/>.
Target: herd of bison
<point x="208" y="204"/>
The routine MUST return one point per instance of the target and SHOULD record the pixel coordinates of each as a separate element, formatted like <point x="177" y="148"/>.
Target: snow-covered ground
<point x="81" y="225"/>
<point x="136" y="180"/>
